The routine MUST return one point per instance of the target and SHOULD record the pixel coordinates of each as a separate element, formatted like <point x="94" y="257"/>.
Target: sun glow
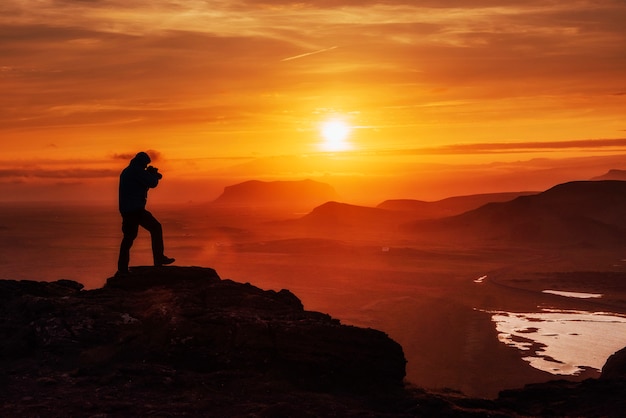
<point x="335" y="133"/>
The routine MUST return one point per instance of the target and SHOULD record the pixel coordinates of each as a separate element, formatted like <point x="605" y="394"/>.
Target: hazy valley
<point x="430" y="274"/>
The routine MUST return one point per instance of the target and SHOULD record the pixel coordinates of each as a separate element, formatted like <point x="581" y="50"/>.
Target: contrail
<point x="309" y="53"/>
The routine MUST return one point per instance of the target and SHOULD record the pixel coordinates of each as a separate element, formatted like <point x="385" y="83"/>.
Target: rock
<point x="180" y="341"/>
<point x="176" y="327"/>
<point x="144" y="278"/>
<point x="589" y="398"/>
<point x="615" y="366"/>
<point x="605" y="397"/>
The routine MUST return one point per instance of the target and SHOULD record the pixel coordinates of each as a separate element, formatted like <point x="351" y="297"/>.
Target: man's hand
<point x="155" y="171"/>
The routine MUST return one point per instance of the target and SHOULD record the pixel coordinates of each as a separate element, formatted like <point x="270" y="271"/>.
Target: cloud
<point x="306" y="54"/>
<point x="69" y="173"/>
<point x="154" y="155"/>
<point x="507" y="147"/>
<point x="119" y="66"/>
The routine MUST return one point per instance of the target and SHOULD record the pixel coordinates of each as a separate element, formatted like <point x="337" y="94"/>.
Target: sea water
<point x="563" y="342"/>
<point x="577" y="295"/>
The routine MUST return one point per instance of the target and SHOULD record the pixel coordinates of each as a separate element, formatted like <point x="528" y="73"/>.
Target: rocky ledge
<point x="180" y="341"/>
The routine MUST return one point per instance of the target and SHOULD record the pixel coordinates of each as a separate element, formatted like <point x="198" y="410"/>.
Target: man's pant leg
<point x="153" y="226"/>
<point x="130" y="228"/>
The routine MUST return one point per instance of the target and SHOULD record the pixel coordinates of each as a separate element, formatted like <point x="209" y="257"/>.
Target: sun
<point x="335" y="133"/>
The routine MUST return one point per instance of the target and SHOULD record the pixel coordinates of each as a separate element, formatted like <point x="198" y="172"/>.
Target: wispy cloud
<point x="154" y="155"/>
<point x="70" y="173"/>
<point x="309" y="53"/>
<point x="129" y="69"/>
<point x="590" y="145"/>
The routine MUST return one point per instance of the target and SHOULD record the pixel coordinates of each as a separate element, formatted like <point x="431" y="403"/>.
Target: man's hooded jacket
<point x="135" y="181"/>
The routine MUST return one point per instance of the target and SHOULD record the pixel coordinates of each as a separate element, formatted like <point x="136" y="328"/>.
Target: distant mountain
<point x="447" y="207"/>
<point x="336" y="214"/>
<point x="304" y="194"/>
<point x="575" y="213"/>
<point x="612" y="175"/>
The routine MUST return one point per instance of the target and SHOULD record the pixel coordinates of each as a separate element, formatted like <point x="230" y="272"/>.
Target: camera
<point x="153" y="170"/>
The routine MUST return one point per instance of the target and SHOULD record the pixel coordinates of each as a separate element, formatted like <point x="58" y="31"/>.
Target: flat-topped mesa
<point x="301" y="195"/>
<point x="187" y="318"/>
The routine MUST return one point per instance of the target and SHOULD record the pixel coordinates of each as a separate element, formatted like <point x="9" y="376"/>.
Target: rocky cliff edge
<point x="180" y="341"/>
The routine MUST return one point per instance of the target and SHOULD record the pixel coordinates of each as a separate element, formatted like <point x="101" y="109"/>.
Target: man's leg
<point x="153" y="226"/>
<point x="130" y="228"/>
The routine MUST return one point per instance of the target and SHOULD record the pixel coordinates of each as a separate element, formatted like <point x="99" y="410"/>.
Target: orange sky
<point x="225" y="91"/>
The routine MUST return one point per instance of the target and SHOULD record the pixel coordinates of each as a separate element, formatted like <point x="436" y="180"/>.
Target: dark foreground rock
<point x="179" y="341"/>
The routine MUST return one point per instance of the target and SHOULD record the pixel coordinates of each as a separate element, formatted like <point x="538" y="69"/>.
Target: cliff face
<point x="615" y="366"/>
<point x="163" y="333"/>
<point x="176" y="341"/>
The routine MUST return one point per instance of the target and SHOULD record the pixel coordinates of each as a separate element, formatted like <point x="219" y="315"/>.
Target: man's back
<point x="135" y="181"/>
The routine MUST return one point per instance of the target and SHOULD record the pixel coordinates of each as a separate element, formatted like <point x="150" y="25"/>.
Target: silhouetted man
<point x="135" y="180"/>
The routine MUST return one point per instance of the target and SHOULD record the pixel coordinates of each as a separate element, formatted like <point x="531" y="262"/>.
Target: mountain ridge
<point x="572" y="213"/>
<point x="577" y="213"/>
<point x="302" y="194"/>
<point x="449" y="206"/>
<point x="612" y="174"/>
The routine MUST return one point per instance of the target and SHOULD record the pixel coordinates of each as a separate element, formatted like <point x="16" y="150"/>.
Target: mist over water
<point x="429" y="299"/>
<point x="59" y="242"/>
